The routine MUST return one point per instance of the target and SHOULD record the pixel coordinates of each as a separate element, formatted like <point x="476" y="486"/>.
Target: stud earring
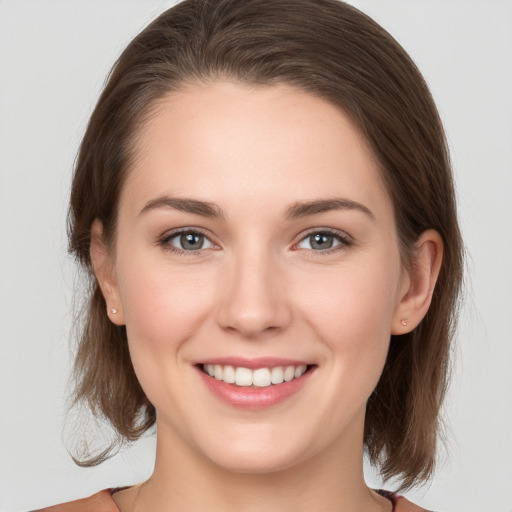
<point x="404" y="321"/>
<point x="113" y="311"/>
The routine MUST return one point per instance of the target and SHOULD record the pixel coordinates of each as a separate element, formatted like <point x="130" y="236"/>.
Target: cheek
<point x="163" y="305"/>
<point x="352" y="299"/>
<point x="163" y="310"/>
<point x="352" y="314"/>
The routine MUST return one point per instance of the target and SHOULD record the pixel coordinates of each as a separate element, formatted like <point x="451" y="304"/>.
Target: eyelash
<point x="164" y="241"/>
<point x="343" y="239"/>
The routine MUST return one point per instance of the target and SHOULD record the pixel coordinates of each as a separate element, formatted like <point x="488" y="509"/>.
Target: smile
<point x="255" y="384"/>
<point x="260" y="377"/>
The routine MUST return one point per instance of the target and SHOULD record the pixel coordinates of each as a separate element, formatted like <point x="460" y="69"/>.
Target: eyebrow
<point x="203" y="208"/>
<point x="296" y="210"/>
<point x="305" y="208"/>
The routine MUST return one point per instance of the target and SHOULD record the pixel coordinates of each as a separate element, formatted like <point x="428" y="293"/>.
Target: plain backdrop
<point x="54" y="56"/>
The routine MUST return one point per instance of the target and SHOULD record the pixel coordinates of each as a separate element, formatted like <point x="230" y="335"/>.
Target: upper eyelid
<point x="330" y="231"/>
<point x="179" y="231"/>
<point x="163" y="242"/>
<point x="343" y="235"/>
<point x="169" y="235"/>
<point x="345" y="240"/>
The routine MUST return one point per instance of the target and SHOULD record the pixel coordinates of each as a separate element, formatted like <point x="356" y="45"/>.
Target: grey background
<point x="54" y="56"/>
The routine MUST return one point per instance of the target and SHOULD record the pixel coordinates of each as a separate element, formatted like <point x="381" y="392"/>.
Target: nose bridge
<point x="254" y="298"/>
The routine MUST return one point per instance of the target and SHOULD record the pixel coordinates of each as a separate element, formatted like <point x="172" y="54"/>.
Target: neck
<point x="183" y="480"/>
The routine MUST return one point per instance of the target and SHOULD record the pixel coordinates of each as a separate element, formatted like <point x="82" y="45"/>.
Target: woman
<point x="264" y="201"/>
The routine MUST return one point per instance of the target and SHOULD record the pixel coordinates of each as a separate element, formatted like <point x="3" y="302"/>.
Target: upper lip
<point x="254" y="363"/>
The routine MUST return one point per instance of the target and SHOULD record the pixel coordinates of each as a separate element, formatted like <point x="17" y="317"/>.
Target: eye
<point x="323" y="241"/>
<point x="188" y="241"/>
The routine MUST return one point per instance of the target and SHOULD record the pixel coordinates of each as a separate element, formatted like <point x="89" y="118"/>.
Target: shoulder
<point x="99" y="502"/>
<point x="401" y="504"/>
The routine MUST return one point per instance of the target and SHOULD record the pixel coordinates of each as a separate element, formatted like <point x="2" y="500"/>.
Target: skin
<point x="258" y="288"/>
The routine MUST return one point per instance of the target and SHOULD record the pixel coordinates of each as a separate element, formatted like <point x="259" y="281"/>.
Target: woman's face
<point x="255" y="235"/>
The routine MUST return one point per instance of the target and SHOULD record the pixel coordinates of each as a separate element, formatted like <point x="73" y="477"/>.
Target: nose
<point x="253" y="301"/>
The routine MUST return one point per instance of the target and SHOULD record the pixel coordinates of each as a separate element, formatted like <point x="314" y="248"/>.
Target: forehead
<point x="227" y="140"/>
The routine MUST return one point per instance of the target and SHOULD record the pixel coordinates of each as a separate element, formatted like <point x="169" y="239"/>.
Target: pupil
<point x="321" y="241"/>
<point x="191" y="241"/>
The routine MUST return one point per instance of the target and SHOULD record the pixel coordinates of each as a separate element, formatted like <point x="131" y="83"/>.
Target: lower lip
<point x="254" y="397"/>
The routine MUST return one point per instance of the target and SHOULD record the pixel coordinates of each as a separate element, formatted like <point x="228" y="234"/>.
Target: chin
<point x="256" y="464"/>
<point x="249" y="457"/>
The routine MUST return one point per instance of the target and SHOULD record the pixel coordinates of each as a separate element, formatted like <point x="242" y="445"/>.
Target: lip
<point x="254" y="363"/>
<point x="252" y="397"/>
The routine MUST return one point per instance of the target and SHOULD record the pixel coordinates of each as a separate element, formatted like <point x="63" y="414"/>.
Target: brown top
<point x="103" y="502"/>
<point x="100" y="502"/>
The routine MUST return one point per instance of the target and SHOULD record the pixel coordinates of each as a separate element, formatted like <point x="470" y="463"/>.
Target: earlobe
<point x="104" y="270"/>
<point x="417" y="296"/>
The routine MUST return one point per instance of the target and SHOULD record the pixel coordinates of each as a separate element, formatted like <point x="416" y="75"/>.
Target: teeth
<point x="229" y="374"/>
<point x="289" y="373"/>
<point x="261" y="378"/>
<point x="276" y="375"/>
<point x="299" y="371"/>
<point x="243" y="377"/>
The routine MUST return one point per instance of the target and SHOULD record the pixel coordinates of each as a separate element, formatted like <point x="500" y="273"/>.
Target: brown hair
<point x="331" y="50"/>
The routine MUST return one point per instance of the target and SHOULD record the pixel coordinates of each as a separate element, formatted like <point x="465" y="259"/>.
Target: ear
<point x="416" y="293"/>
<point x="104" y="270"/>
